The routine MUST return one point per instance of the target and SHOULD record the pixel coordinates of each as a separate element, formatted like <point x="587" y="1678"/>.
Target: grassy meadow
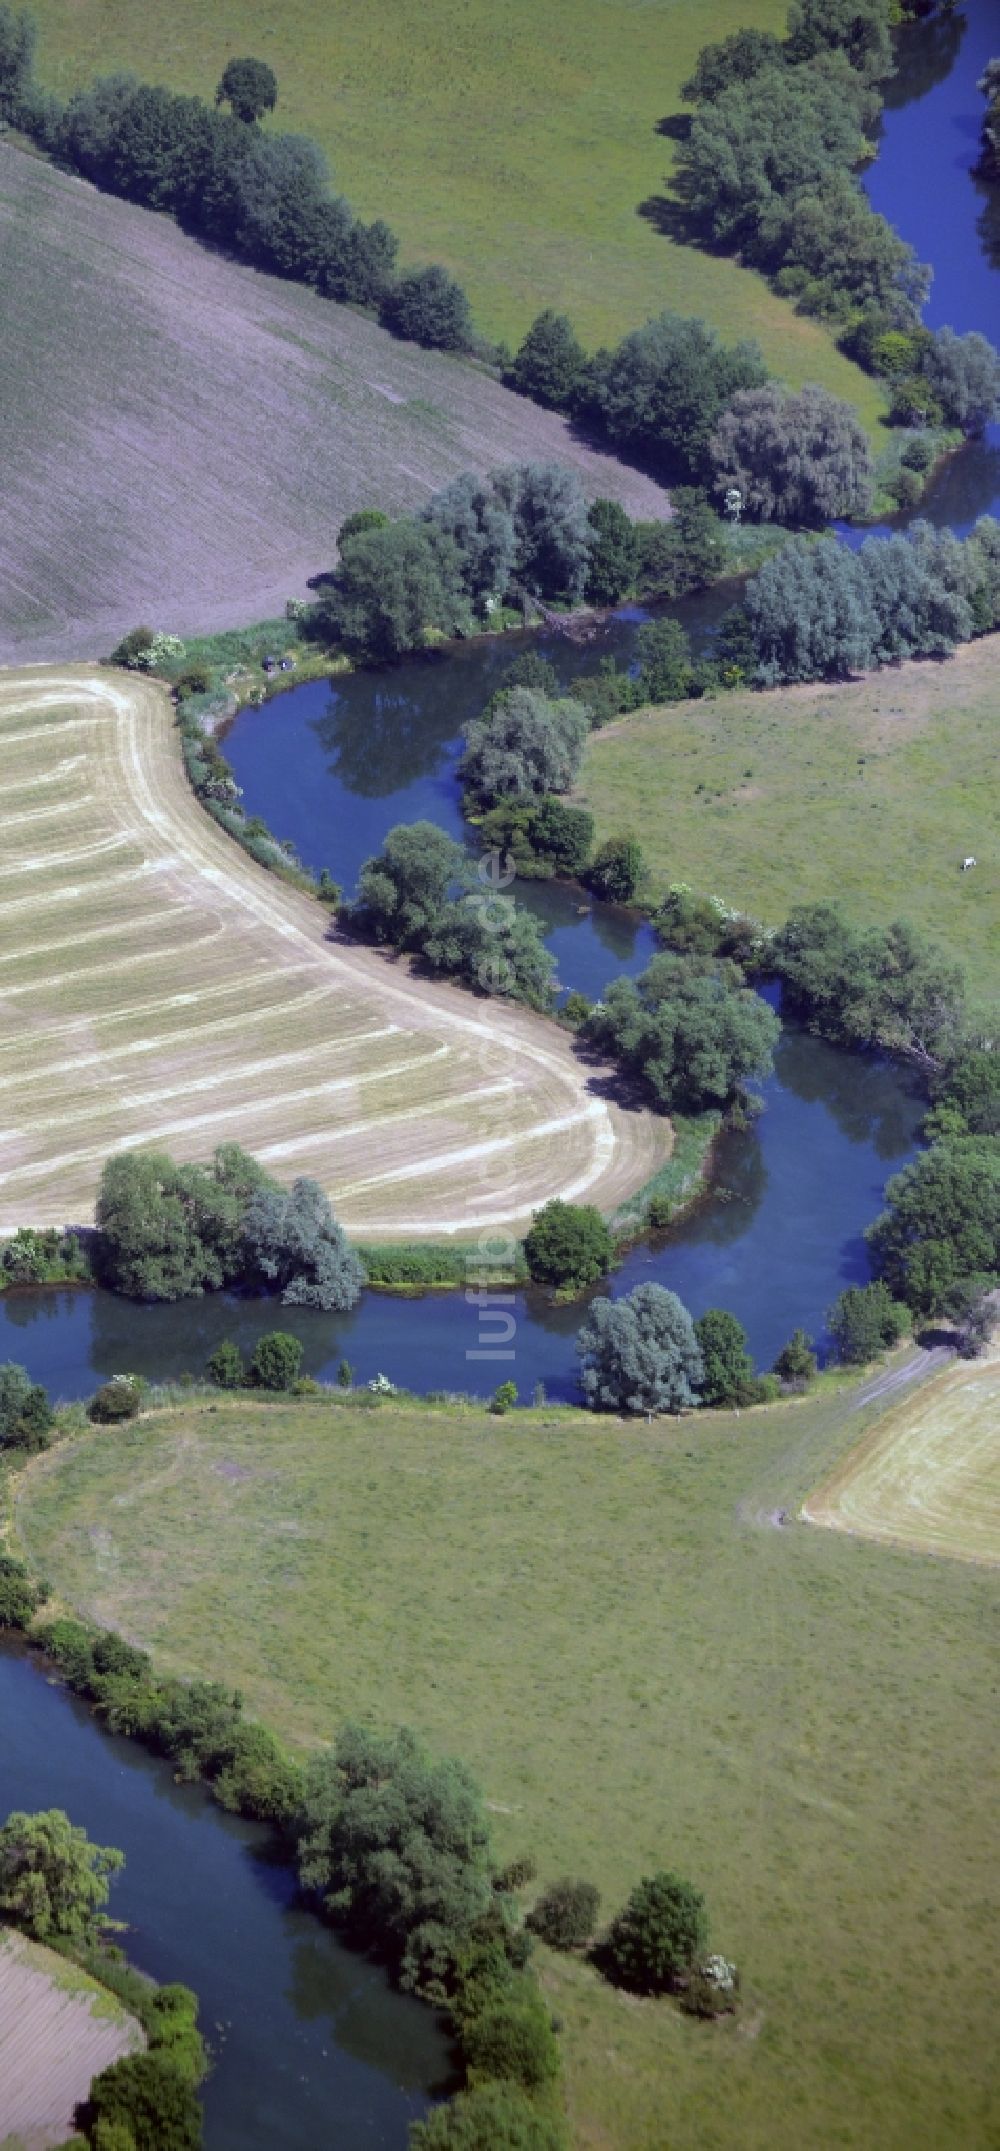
<point x="643" y="1670"/>
<point x="870" y="794"/>
<point x="514" y="144"/>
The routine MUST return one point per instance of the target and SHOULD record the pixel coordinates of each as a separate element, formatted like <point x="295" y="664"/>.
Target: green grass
<point x="514" y="144"/>
<point x="870" y="794"/>
<point x="641" y="1671"/>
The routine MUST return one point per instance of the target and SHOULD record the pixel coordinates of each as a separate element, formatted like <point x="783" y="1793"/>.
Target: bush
<point x="148" y="2095"/>
<point x="226" y="1368"/>
<point x="430" y="308"/>
<point x="796" y="1362"/>
<point x="26" y="1415"/>
<point x="504" y="1398"/>
<point x="116" y="1400"/>
<point x="491" y="2117"/>
<point x="729" y="1377"/>
<point x="514" y="2040"/>
<point x="658" y="1936"/>
<point x="549" y="363"/>
<point x="617" y="870"/>
<point x="864" y="1321"/>
<point x="568" y="1245"/>
<point x="20" y="1597"/>
<point x="277" y="1361"/>
<point x="565" y="1914"/>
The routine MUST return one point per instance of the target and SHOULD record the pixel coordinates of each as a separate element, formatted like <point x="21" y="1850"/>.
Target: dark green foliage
<point x="811" y="615"/>
<point x="116" y="1401"/>
<point x="493" y="946"/>
<point x="693" y="925"/>
<point x="763" y="142"/>
<point x="396" y="1844"/>
<point x="170" y="2020"/>
<point x="26" y="1416"/>
<point x="864" y="1321"/>
<point x="606" y="692"/>
<point x="419" y="894"/>
<point x="568" y="1244"/>
<point x="363" y="519"/>
<point x="796" y="1361"/>
<point x="963" y="372"/>
<point x="18" y="38"/>
<point x="225" y="1367"/>
<point x="664" y="652"/>
<point x="875" y="986"/>
<point x="663" y="390"/>
<point x="151" y="2098"/>
<point x="971" y="1088"/>
<point x="42" y="1258"/>
<point x="391" y="586"/>
<point x="514" y="2041"/>
<point x="165" y="1230"/>
<point x="795" y="458"/>
<point x="503" y="1399"/>
<point x="277" y="1361"/>
<point x="684" y="554"/>
<point x="734" y="59"/>
<point x="491" y="2117"/>
<point x="613" y="554"/>
<point x="858" y="27"/>
<point x="249" y="87"/>
<point x="402" y="891"/>
<point x="549" y="362"/>
<point x="20" y="1596"/>
<point x="543" y="837"/>
<point x="565" y="1914"/>
<point x="524" y="744"/>
<point x="53" y="1882"/>
<point x="941" y="1225"/>
<point x="658" y="1935"/>
<point x="689" y="1028"/>
<point x="617" y="870"/>
<point x="430" y="308"/>
<point x="729" y="1377"/>
<point x="292" y="1240"/>
<point x="553" y="535"/>
<point x="639" y="1354"/>
<point x="131" y="650"/>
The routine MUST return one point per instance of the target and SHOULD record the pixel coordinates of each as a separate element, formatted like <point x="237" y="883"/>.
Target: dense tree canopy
<point x="490" y="2117"/>
<point x="147" y="2102"/>
<point x="402" y="890"/>
<point x="860" y="28"/>
<point x="728" y="1377"/>
<point x="293" y="1241"/>
<point x="870" y="986"/>
<point x="640" y="1353"/>
<point x="733" y="60"/>
<point x="524" y="744"/>
<point x="550" y="362"/>
<point x="166" y="1230"/>
<point x="658" y="1935"/>
<point x="863" y="1321"/>
<point x="249" y="87"/>
<point x="53" y="1882"/>
<point x="390" y="587"/>
<point x="664" y="388"/>
<point x="420" y="894"/>
<point x="430" y="308"/>
<point x="689" y="1028"/>
<point x="568" y="1244"/>
<point x="795" y="458"/>
<point x="941" y="1224"/>
<point x="964" y="374"/>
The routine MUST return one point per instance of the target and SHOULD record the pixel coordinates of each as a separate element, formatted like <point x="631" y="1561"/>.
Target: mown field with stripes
<point x="928" y="1475"/>
<point x="158" y="989"/>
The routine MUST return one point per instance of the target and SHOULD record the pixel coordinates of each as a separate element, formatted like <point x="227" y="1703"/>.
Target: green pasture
<point x="515" y="144"/>
<point x="643" y="1669"/>
<point x="869" y="794"/>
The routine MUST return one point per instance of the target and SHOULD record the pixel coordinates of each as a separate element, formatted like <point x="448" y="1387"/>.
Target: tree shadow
<point x="676" y="126"/>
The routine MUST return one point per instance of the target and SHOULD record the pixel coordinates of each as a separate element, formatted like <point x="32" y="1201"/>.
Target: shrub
<point x="658" y="1935"/>
<point x="429" y="306"/>
<point x="133" y="649"/>
<point x="796" y="1362"/>
<point x="711" y="1989"/>
<point x="116" y="1400"/>
<point x="491" y="2117"/>
<point x="26" y="1415"/>
<point x="516" y="1874"/>
<point x="550" y="362"/>
<point x="616" y="870"/>
<point x="515" y="2040"/>
<point x="729" y="1377"/>
<point x="20" y="1597"/>
<point x="148" y="2095"/>
<point x="277" y="1361"/>
<point x="565" y="1914"/>
<point x="504" y="1398"/>
<point x="568" y="1244"/>
<point x="659" y="1212"/>
<point x="226" y="1368"/>
<point x="864" y="1321"/>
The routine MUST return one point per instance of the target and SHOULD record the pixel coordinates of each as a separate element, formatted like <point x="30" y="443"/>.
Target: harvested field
<point x="928" y="1475"/>
<point x="183" y="437"/>
<point x="58" y="2029"/>
<point x="158" y="988"/>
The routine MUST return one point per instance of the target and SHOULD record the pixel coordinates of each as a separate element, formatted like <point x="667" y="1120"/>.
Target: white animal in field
<point x="966" y="863"/>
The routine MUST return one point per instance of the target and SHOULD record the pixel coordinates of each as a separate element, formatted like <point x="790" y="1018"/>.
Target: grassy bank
<point x="870" y="793"/>
<point x="641" y="1670"/>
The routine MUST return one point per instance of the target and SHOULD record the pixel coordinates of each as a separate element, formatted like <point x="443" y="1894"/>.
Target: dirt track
<point x="158" y="988"/>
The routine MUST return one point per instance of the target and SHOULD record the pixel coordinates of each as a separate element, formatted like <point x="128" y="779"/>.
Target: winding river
<point x="310" y="2045"/>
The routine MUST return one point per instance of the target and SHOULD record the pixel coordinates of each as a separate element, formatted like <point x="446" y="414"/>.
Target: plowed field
<point x="57" y="2030"/>
<point x="159" y="989"/>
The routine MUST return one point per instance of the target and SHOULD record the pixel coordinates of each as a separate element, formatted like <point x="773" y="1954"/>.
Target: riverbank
<point x="724" y="1688"/>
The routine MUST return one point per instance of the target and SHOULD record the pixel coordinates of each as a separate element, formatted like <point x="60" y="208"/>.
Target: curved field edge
<point x="58" y="2029"/>
<point x="869" y="794"/>
<point x="590" y="1613"/>
<point x="928" y="1475"/>
<point x="159" y="989"/>
<point x="183" y="436"/>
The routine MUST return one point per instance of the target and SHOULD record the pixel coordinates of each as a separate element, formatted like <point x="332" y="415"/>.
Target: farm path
<point x="157" y="987"/>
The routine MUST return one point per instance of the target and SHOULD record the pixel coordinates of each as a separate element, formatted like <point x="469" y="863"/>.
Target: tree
<point x="513" y="2040"/>
<point x="483" y="530"/>
<point x="811" y="614"/>
<point x="863" y="1322"/>
<point x="796" y="1361"/>
<point x="565" y="1914"/>
<point x="613" y="554"/>
<point x="18" y="39"/>
<point x="277" y="1361"/>
<point x="764" y="142"/>
<point x="523" y="744"/>
<point x="640" y="1354"/>
<point x="549" y="363"/>
<point x="148" y="2096"/>
<point x="292" y="1239"/>
<point x="489" y="2117"/>
<point x="53" y="1882"/>
<point x="729" y="1376"/>
<point x="363" y="519"/>
<point x="396" y="1844"/>
<point x="666" y="385"/>
<point x="568" y="1244"/>
<point x="964" y="375"/>
<point x="26" y="1415"/>
<point x="689" y="1028"/>
<point x="166" y="1231"/>
<point x="249" y="87"/>
<point x="858" y="27"/>
<point x="882" y="986"/>
<point x="493" y="946"/>
<point x="552" y="526"/>
<point x="390" y="588"/>
<point x="734" y="59"/>
<point x="988" y="86"/>
<point x="971" y="1087"/>
<point x="617" y="869"/>
<point x="659" y="1934"/>
<point x="402" y="891"/>
<point x="20" y="1597"/>
<point x="795" y="458"/>
<point x="430" y="308"/>
<point x="664" y="653"/>
<point x="941" y="1224"/>
<point x="225" y="1368"/>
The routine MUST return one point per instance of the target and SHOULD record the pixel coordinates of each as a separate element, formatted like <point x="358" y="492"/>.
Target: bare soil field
<point x="58" y="2029"/>
<point x="928" y="1475"/>
<point x="183" y="437"/>
<point x="157" y="988"/>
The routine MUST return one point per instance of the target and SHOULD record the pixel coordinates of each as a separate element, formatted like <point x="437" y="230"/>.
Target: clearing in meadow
<point x="640" y="1674"/>
<point x="183" y="436"/>
<point x="515" y="144"/>
<point x="869" y="794"/>
<point x="928" y="1475"/>
<point x="158" y="989"/>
